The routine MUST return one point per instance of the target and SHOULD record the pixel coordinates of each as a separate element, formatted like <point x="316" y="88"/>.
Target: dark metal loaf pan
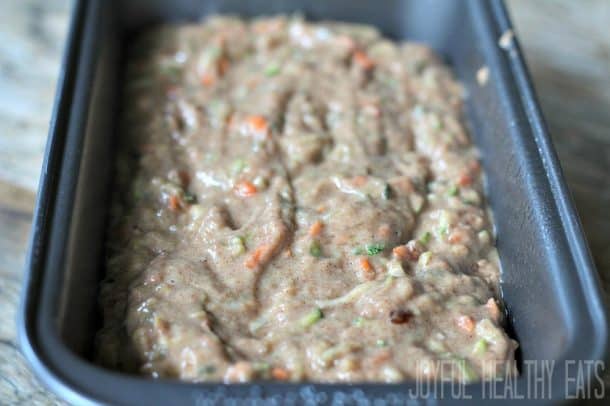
<point x="549" y="281"/>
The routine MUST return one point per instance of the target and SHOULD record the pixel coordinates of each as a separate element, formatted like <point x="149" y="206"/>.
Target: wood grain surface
<point x="566" y="43"/>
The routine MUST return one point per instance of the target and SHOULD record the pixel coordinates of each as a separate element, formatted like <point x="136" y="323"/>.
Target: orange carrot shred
<point x="455" y="237"/>
<point x="369" y="271"/>
<point x="207" y="79"/>
<point x="359" y="180"/>
<point x="493" y="309"/>
<point x="316" y="228"/>
<point x="408" y="252"/>
<point x="466" y="323"/>
<point x="174" y="203"/>
<point x="245" y="188"/>
<point x="258" y="256"/>
<point x="257" y="123"/>
<point x="279" y="373"/>
<point x="381" y="357"/>
<point x="366" y="264"/>
<point x="362" y="59"/>
<point x="252" y="261"/>
<point x="464" y="179"/>
<point x="400" y="251"/>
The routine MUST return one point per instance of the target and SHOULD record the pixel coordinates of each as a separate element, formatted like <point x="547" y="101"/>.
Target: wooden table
<point x="567" y="44"/>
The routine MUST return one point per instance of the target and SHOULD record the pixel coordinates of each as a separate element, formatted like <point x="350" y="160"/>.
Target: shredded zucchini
<point x="425" y="238"/>
<point x="480" y="347"/>
<point x="315" y="250"/>
<point x="272" y="70"/>
<point x="237" y="245"/>
<point x="424" y="259"/>
<point x="370" y="249"/>
<point x="395" y="269"/>
<point x="348" y="297"/>
<point x="238" y="166"/>
<point x="453" y="190"/>
<point x="311" y="318"/>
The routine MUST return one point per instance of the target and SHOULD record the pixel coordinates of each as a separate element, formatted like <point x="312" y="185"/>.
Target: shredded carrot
<point x="455" y="237"/>
<point x="362" y="59"/>
<point x="245" y="188"/>
<point x="380" y="357"/>
<point x="400" y="251"/>
<point x="174" y="203"/>
<point x="464" y="179"/>
<point x="366" y="264"/>
<point x="369" y="271"/>
<point x="493" y="309"/>
<point x="207" y="79"/>
<point x="466" y="323"/>
<point x="251" y="262"/>
<point x="316" y="229"/>
<point x="359" y="180"/>
<point x="258" y="256"/>
<point x="321" y="209"/>
<point x="410" y="252"/>
<point x="258" y="124"/>
<point x="279" y="373"/>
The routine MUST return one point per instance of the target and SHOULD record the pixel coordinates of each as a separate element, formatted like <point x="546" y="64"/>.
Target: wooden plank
<point x="567" y="46"/>
<point x="31" y="39"/>
<point x="16" y="205"/>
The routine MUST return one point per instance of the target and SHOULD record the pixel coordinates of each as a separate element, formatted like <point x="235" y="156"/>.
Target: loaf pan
<point x="549" y="282"/>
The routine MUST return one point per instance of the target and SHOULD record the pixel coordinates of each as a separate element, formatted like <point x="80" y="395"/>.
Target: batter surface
<point x="297" y="201"/>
